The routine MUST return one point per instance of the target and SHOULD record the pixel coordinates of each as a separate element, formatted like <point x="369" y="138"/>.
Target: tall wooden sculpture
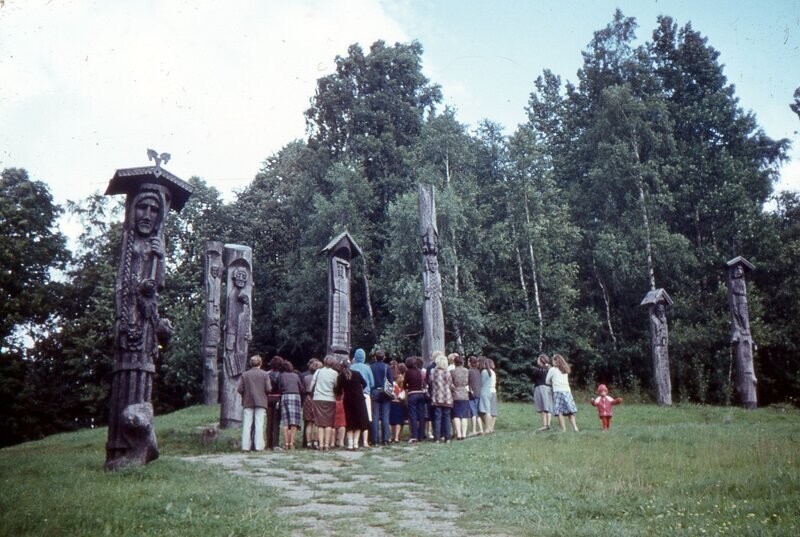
<point x="741" y="339"/>
<point x="432" y="314"/>
<point x="340" y="251"/>
<point x="239" y="263"/>
<point x="139" y="331"/>
<point x="211" y="328"/>
<point x="656" y="302"/>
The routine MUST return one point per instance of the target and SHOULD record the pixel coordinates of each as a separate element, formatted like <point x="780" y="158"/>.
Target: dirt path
<point x="347" y="492"/>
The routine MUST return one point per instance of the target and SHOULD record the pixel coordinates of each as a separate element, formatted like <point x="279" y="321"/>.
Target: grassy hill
<point x="686" y="470"/>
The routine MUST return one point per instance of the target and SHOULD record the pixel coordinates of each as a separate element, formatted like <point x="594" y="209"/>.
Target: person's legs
<point x="247" y="428"/>
<point x="572" y="422"/>
<point x="260" y="415"/>
<point x="561" y="422"/>
<point x="412" y="417"/>
<point x="446" y="419"/>
<point x="329" y="437"/>
<point x="273" y="424"/>
<point x="376" y="413"/>
<point x="385" y="409"/>
<point x="548" y="418"/>
<point x="437" y="422"/>
<point x="321" y="440"/>
<point x="340" y="432"/>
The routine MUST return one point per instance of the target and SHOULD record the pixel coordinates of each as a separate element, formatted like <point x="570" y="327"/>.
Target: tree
<point x="795" y="106"/>
<point x="371" y="111"/>
<point x="30" y="249"/>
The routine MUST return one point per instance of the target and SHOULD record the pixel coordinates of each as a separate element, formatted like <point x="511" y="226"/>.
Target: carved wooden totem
<point x="340" y="251"/>
<point x="432" y="314"/>
<point x="238" y="261"/>
<point x="139" y="331"/>
<point x="656" y="302"/>
<point x="742" y="343"/>
<point x="211" y="329"/>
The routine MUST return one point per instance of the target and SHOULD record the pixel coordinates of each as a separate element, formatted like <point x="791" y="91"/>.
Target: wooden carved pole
<point x="656" y="301"/>
<point x="238" y="261"/>
<point x="211" y="329"/>
<point x="139" y="331"/>
<point x="340" y="251"/>
<point x="742" y="343"/>
<point x="432" y="314"/>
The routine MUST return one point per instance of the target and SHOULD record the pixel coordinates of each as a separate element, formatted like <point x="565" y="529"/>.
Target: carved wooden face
<point x="214" y="271"/>
<point x="239" y="278"/>
<point x="146" y="215"/>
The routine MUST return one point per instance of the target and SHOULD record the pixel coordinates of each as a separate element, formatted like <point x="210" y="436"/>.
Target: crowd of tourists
<point x="349" y="404"/>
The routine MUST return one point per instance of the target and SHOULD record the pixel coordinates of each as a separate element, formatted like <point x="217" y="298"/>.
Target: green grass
<point x="57" y="486"/>
<point x="686" y="470"/>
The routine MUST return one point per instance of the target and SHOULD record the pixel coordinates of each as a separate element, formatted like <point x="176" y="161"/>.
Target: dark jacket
<point x="254" y="387"/>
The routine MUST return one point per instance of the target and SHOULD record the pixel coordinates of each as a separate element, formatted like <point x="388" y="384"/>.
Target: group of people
<point x="347" y="403"/>
<point x="552" y="395"/>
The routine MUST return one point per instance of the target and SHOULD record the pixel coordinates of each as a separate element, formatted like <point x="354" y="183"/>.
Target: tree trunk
<point x="535" y="280"/>
<point x="522" y="279"/>
<point x="607" y="303"/>
<point x="369" y="297"/>
<point x="520" y="265"/>
<point x="456" y="293"/>
<point x="648" y="246"/>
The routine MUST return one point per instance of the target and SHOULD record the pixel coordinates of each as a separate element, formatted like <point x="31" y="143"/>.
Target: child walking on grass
<point x="604" y="402"/>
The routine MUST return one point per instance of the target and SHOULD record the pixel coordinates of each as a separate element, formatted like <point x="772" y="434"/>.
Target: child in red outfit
<point x="604" y="403"/>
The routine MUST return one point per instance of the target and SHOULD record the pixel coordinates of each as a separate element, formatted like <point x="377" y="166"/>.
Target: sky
<point x="86" y="87"/>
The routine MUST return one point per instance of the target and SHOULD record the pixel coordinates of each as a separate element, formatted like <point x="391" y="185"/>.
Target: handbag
<point x="388" y="387"/>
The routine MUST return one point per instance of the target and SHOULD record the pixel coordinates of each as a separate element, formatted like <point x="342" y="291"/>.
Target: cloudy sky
<point x="87" y="86"/>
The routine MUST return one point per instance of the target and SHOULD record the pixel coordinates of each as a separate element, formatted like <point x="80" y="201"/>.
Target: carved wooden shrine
<point x="139" y="331"/>
<point x="432" y="313"/>
<point x="239" y="264"/>
<point x="211" y="318"/>
<point x="656" y="302"/>
<point x="742" y="343"/>
<point x="340" y="251"/>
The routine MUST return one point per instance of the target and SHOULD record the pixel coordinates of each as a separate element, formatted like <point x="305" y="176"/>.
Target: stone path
<point x="347" y="492"/>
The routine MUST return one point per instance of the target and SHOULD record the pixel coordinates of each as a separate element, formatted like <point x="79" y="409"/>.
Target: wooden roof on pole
<point x="739" y="260"/>
<point x="128" y="181"/>
<point x="343" y="239"/>
<point x="656" y="296"/>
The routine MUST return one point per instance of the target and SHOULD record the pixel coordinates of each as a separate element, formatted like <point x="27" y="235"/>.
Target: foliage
<point x="30" y="249"/>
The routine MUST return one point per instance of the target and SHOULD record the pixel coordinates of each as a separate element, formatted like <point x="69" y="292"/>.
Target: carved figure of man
<point x="341" y="304"/>
<point x="658" y="325"/>
<point x="432" y="280"/>
<point x="429" y="241"/>
<point x="741" y="317"/>
<point x="212" y="289"/>
<point x="237" y="325"/>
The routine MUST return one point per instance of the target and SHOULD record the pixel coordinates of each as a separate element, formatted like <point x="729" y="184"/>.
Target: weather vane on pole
<point x="152" y="154"/>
